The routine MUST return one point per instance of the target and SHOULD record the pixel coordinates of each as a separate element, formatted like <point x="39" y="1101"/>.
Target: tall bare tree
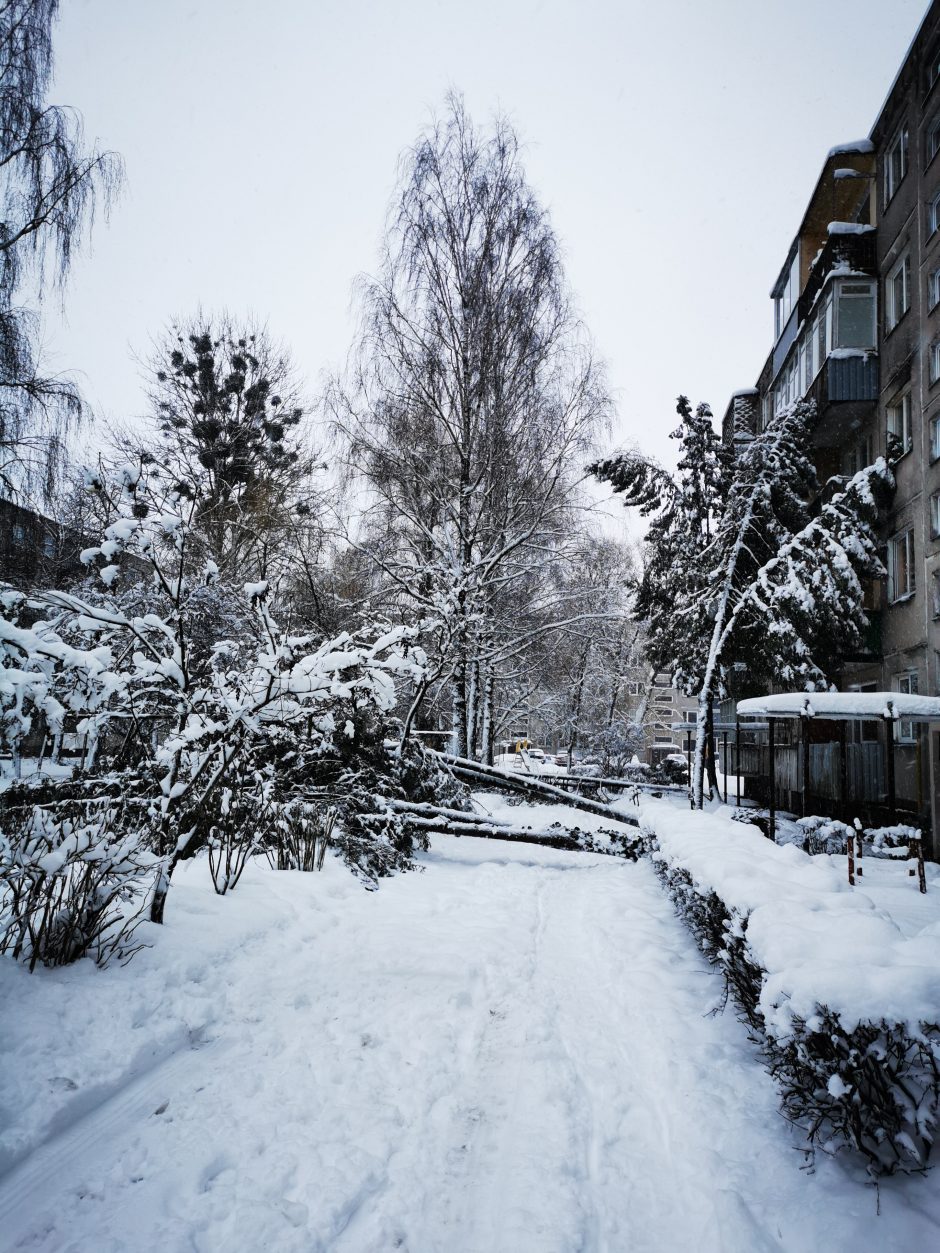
<point x="475" y="394"/>
<point x="50" y="185"/>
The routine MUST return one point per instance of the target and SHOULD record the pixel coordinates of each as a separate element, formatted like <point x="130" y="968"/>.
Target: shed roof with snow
<point x="843" y="706"/>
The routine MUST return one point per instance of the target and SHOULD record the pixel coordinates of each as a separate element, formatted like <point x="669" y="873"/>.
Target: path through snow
<point x="511" y="1052"/>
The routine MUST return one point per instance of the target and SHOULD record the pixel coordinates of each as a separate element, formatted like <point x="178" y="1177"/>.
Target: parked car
<point x="561" y="759"/>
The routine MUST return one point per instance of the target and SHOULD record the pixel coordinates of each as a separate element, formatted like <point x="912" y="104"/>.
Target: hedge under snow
<point x="843" y="1005"/>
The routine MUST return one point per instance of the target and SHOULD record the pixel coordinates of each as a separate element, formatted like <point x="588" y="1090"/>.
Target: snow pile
<point x="837" y="987"/>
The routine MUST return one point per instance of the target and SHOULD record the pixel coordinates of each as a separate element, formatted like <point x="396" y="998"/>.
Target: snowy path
<point x="510" y="1053"/>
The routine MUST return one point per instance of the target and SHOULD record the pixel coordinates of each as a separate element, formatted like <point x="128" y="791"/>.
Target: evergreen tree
<point x="771" y="588"/>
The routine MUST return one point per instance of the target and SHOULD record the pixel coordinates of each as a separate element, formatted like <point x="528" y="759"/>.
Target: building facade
<point x="856" y="328"/>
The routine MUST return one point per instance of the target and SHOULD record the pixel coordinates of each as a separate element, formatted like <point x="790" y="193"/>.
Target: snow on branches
<point x="186" y="689"/>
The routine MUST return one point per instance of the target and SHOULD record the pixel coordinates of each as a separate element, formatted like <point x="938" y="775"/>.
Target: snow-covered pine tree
<point x="684" y="509"/>
<point x="738" y="569"/>
<point x="784" y="593"/>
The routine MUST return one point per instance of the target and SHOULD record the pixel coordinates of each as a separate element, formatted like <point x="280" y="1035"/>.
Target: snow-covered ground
<point x="513" y="1051"/>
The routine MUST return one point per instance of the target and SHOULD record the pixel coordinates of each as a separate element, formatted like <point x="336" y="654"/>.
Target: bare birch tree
<point x="475" y="394"/>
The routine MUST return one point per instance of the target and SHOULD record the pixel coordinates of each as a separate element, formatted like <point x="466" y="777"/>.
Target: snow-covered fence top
<point x="820" y="941"/>
<point x="842" y="705"/>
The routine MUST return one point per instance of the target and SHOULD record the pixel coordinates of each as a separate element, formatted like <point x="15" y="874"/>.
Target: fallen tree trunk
<point x="529" y="786"/>
<point x="427" y="817"/>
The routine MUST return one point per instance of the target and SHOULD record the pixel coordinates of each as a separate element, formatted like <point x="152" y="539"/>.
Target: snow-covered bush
<point x="223" y="717"/>
<point x="893" y="841"/>
<point x="672" y="771"/>
<point x="825" y="835"/>
<point x="848" y="1075"/>
<point x="72" y="884"/>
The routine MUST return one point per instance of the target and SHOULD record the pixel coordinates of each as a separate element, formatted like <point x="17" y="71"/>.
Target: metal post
<point x="724" y="751"/>
<point x="889" y="765"/>
<point x="737" y="758"/>
<point x="771" y="825"/>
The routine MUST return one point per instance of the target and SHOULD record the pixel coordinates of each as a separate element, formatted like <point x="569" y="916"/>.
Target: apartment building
<point x="856" y="328"/>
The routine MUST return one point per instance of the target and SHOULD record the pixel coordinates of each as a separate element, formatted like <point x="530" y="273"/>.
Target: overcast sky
<point x="674" y="142"/>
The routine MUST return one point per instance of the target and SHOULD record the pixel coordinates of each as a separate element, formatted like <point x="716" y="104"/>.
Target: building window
<point x="899" y="440"/>
<point x="906" y="730"/>
<point x="935" y="593"/>
<point x="48" y="545"/>
<point x="898" y="292"/>
<point x="785" y="295"/>
<point x="933" y="137"/>
<point x="933" y="214"/>
<point x="933" y="288"/>
<point x="901" y="566"/>
<point x="856" y="315"/>
<point x="896" y="163"/>
<point x="857" y="457"/>
<point x="935" y="361"/>
<point x="935" y="437"/>
<point x="19" y="534"/>
<point x="935" y="515"/>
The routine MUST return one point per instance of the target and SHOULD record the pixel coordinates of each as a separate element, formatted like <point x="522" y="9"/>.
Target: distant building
<point x="36" y="549"/>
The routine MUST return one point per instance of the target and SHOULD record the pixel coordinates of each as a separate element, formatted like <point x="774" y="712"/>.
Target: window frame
<point x="901" y="269"/>
<point x="900" y="404"/>
<point x="932" y="138"/>
<point x="905" y="726"/>
<point x="933" y="214"/>
<point x="934" y="511"/>
<point x="934" y="360"/>
<point x="903" y="538"/>
<point x="901" y="145"/>
<point x="934" y="433"/>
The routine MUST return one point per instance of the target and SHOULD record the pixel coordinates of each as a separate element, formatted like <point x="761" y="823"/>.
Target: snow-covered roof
<point x="849" y="228"/>
<point x="847" y="706"/>
<point x="853" y="145"/>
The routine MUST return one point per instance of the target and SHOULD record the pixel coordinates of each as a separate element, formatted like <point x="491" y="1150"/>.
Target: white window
<point x="935" y="597"/>
<point x="901" y="566"/>
<point x="933" y="288"/>
<point x="899" y="439"/>
<point x="856" y="315"/>
<point x="898" y="292"/>
<point x="935" y="515"/>
<point x="786" y="294"/>
<point x="935" y="361"/>
<point x="896" y="163"/>
<point x="48" y="545"/>
<point x="933" y="137"/>
<point x="935" y="437"/>
<point x="907" y="683"/>
<point x="933" y="213"/>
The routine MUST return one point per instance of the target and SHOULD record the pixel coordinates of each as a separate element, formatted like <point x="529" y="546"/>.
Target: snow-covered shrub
<point x="672" y="771"/>
<point x="72" y="884"/>
<point x="893" y="841"/>
<point x="824" y="835"/>
<point x="224" y="717"/>
<point x="874" y="1085"/>
<point x="302" y="835"/>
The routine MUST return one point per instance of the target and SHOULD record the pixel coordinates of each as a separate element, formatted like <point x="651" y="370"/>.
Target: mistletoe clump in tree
<point x="230" y="435"/>
<point x="769" y="586"/>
